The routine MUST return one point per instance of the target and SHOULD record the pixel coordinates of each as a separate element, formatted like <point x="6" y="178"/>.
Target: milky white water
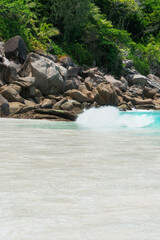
<point x="96" y="179"/>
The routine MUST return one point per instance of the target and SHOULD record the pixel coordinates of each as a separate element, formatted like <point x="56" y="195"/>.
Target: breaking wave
<point x="111" y="117"/>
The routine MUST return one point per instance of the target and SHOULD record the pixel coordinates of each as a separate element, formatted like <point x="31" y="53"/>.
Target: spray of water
<point x="111" y="117"/>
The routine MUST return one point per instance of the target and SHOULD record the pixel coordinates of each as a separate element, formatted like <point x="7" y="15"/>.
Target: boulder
<point x="149" y="92"/>
<point x="5" y="61"/>
<point x="124" y="106"/>
<point x="115" y="82"/>
<point x="82" y="88"/>
<point x="90" y="84"/>
<point x="15" y="49"/>
<point x="138" y="79"/>
<point x="71" y="83"/>
<point x="47" y="103"/>
<point x="59" y="103"/>
<point x="27" y="107"/>
<point x="123" y="80"/>
<point x="4" y="107"/>
<point x="157" y="99"/>
<point x="106" y="95"/>
<point x="29" y="92"/>
<point x="118" y="91"/>
<point x="75" y="103"/>
<point x="68" y="105"/>
<point x="20" y="108"/>
<point x="47" y="55"/>
<point x="78" y="96"/>
<point x="135" y="91"/>
<point x="137" y="101"/>
<point x="55" y="98"/>
<point x="16" y="87"/>
<point x="120" y="99"/>
<point x="49" y="76"/>
<point x="25" y="82"/>
<point x="96" y="75"/>
<point x="128" y="63"/>
<point x="15" y="107"/>
<point x="60" y="113"/>
<point x="15" y="65"/>
<point x="153" y="77"/>
<point x="147" y="106"/>
<point x="65" y="104"/>
<point x="30" y="103"/>
<point x="72" y="72"/>
<point x="127" y="98"/>
<point x="28" y="89"/>
<point x="7" y="73"/>
<point x="128" y="71"/>
<point x="38" y="94"/>
<point x="10" y="94"/>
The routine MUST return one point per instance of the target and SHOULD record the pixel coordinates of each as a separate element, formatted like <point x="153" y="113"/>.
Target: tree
<point x="70" y="16"/>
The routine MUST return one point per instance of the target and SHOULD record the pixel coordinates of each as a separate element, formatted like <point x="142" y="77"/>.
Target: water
<point x="96" y="179"/>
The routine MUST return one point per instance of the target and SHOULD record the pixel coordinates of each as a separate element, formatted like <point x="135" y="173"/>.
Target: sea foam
<point x="111" y="117"/>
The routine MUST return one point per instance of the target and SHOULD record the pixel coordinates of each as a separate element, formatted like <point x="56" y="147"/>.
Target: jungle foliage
<point x="100" y="32"/>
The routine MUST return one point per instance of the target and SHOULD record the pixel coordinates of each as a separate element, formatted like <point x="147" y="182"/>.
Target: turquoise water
<point x="94" y="179"/>
<point x="104" y="118"/>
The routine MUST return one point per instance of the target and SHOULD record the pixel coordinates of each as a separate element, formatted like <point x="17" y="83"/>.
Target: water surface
<point x="96" y="179"/>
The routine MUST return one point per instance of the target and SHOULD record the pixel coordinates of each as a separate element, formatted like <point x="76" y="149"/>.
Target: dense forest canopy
<point x="91" y="31"/>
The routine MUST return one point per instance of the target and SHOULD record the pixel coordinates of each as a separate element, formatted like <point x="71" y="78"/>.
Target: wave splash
<point x="111" y="117"/>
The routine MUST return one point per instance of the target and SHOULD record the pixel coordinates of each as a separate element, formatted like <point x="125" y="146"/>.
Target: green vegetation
<point x="100" y="32"/>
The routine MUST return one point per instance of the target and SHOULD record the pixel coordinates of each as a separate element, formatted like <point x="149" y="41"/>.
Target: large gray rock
<point x="7" y="73"/>
<point x="47" y="55"/>
<point x="116" y="83"/>
<point x="96" y="75"/>
<point x="4" y="106"/>
<point x="25" y="82"/>
<point x="78" y="96"/>
<point x="10" y="94"/>
<point x="128" y="63"/>
<point x="15" y="49"/>
<point x="106" y="95"/>
<point x="27" y="86"/>
<point x="71" y="83"/>
<point x="67" y="104"/>
<point x="90" y="83"/>
<point x="49" y="76"/>
<point x="72" y="71"/>
<point x="150" y="92"/>
<point x="64" y="104"/>
<point x="153" y="77"/>
<point x="137" y="79"/>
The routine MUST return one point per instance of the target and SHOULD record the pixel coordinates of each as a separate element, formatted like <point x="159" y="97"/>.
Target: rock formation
<point x="42" y="86"/>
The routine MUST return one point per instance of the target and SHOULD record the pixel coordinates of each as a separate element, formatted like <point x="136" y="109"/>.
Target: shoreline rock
<point x="41" y="86"/>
